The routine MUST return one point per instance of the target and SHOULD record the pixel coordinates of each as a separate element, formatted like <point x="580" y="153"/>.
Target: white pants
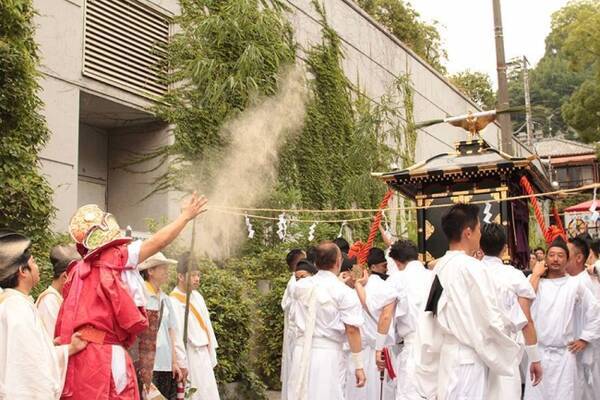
<point x="201" y="374"/>
<point x="326" y="371"/>
<point x="406" y="388"/>
<point x="372" y="389"/>
<point x="560" y="376"/>
<point x="588" y="370"/>
<point x="505" y="387"/>
<point x="462" y="374"/>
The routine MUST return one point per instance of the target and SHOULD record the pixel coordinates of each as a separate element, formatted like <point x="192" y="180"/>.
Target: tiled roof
<point x="561" y="147"/>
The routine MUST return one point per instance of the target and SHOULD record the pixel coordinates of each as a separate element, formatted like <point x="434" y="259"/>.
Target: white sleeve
<point x="350" y="308"/>
<point x="591" y="307"/>
<point x="48" y="310"/>
<point x="521" y="286"/>
<point x="133" y="254"/>
<point x="173" y="323"/>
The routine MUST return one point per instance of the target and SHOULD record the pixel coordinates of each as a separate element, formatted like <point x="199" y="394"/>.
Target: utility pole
<point x="504" y="119"/>
<point x="528" y="116"/>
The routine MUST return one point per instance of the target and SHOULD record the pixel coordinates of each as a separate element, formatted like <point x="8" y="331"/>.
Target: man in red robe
<point x="104" y="302"/>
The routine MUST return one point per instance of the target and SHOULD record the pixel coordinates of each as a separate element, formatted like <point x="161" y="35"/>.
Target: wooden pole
<point x="188" y="285"/>
<point x="503" y="103"/>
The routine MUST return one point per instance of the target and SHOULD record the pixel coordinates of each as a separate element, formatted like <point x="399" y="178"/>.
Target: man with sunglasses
<point x="31" y="366"/>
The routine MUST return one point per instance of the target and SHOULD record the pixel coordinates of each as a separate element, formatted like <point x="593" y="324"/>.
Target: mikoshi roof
<point x="471" y="159"/>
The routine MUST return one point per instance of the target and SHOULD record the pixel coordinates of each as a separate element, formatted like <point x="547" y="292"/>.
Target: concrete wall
<point x="60" y="39"/>
<point x="373" y="58"/>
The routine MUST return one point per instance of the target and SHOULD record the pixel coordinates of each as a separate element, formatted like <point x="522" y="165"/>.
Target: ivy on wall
<point x="26" y="196"/>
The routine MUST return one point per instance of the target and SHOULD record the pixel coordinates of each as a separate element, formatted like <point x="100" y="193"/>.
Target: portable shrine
<point x="477" y="173"/>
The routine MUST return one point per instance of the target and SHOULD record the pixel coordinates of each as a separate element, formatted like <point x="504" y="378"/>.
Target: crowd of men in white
<point x="469" y="329"/>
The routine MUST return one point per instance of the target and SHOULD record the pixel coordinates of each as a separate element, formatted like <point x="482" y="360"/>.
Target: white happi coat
<point x="31" y="367"/>
<point x="554" y="314"/>
<point x="509" y="284"/>
<point x="378" y="295"/>
<point x="201" y="346"/>
<point x="417" y="281"/>
<point x="288" y="337"/>
<point x="48" y="305"/>
<point x="457" y="348"/>
<point x="322" y="306"/>
<point x="588" y="362"/>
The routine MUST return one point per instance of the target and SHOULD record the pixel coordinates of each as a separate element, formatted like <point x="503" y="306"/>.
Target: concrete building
<point x="99" y="79"/>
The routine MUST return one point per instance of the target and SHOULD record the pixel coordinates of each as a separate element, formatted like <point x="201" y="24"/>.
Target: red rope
<point x="557" y="219"/>
<point x="364" y="251"/>
<point x="551" y="232"/>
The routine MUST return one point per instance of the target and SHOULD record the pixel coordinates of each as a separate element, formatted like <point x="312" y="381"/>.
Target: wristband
<point x="533" y="353"/>
<point x="357" y="360"/>
<point x="380" y="341"/>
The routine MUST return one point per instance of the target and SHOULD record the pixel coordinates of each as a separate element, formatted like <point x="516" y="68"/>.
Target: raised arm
<point x="162" y="238"/>
<point x="539" y="270"/>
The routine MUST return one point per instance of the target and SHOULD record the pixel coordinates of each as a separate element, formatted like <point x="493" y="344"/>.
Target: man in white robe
<point x="374" y="296"/>
<point x="291" y="259"/>
<point x="554" y="312"/>
<point x="587" y="361"/>
<point x="201" y="343"/>
<point x="513" y="295"/>
<point x="31" y="367"/>
<point x="326" y="313"/>
<point x="460" y="337"/>
<point x="49" y="301"/>
<point x="410" y="284"/>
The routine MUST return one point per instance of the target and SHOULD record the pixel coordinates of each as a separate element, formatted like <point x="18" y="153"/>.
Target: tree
<point x="26" y="196"/>
<point x="226" y="54"/>
<point x="403" y="21"/>
<point x="476" y="85"/>
<point x="583" y="111"/>
<point x="560" y="76"/>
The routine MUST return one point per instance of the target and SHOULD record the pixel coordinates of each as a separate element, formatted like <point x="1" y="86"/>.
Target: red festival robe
<point x="100" y="305"/>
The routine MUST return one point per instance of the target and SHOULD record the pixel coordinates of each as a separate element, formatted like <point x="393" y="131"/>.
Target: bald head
<point x="329" y="256"/>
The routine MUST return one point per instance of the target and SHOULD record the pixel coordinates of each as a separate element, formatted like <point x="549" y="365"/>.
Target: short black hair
<point x="342" y="244"/>
<point x="539" y="248"/>
<point x="457" y="219"/>
<point x="582" y="246"/>
<point x="292" y="258"/>
<point x="185" y="261"/>
<point x="327" y="255"/>
<point x="595" y="247"/>
<point x="311" y="254"/>
<point x="493" y="239"/>
<point x="10" y="282"/>
<point x="404" y="251"/>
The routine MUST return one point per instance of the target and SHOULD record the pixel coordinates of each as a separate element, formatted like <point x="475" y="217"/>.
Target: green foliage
<point x="403" y="21"/>
<point x="270" y="332"/>
<point x="583" y="111"/>
<point x="231" y="304"/>
<point x="227" y="54"/>
<point x="26" y="196"/>
<point x="476" y="85"/>
<point x="565" y="84"/>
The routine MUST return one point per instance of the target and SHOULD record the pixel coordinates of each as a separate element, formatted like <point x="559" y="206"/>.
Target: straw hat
<point x="157" y="259"/>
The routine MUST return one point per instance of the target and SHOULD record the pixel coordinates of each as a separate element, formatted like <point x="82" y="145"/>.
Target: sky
<point x="467" y="30"/>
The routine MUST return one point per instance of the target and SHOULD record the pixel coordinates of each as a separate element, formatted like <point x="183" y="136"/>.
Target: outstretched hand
<point x="195" y="206"/>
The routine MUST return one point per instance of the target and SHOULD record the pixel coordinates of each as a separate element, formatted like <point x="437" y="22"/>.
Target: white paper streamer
<point x="488" y="215"/>
<point x="311" y="232"/>
<point x="250" y="228"/>
<point x="344" y="223"/>
<point x="595" y="215"/>
<point x="282" y="226"/>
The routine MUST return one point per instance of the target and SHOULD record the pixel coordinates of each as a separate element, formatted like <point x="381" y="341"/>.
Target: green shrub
<point x="270" y="333"/>
<point x="26" y="196"/>
<point x="230" y="302"/>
